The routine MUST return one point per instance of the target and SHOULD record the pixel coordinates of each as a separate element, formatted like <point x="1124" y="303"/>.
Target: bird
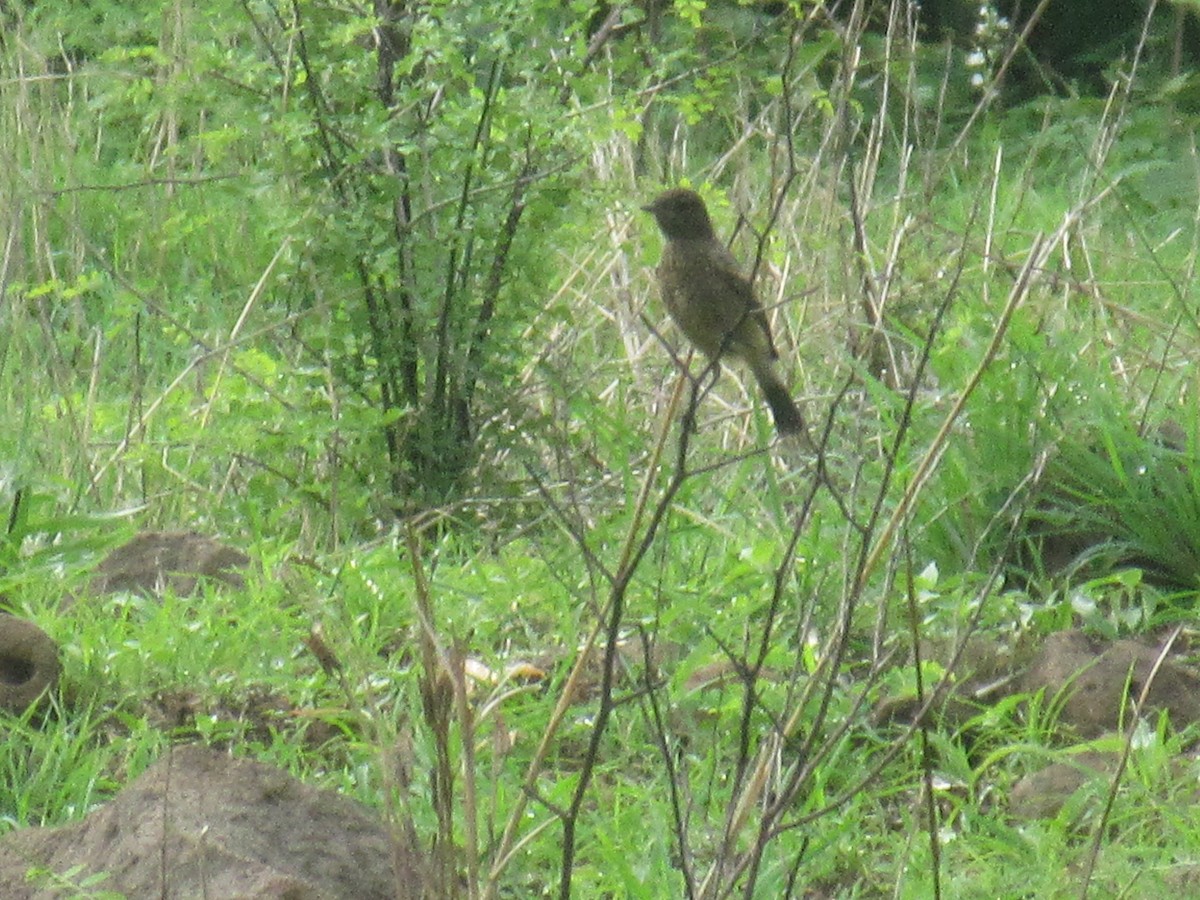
<point x="713" y="303"/>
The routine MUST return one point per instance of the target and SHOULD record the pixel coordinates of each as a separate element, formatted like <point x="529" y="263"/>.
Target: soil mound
<point x="200" y="824"/>
<point x="179" y="561"/>
<point x="29" y="663"/>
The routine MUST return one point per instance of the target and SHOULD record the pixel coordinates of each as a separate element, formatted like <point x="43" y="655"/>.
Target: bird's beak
<point x="649" y="207"/>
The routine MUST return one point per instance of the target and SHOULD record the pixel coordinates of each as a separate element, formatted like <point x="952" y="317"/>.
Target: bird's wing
<point x="729" y="276"/>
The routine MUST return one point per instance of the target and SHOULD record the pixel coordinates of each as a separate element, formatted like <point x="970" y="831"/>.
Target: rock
<point x="29" y="665"/>
<point x="201" y="824"/>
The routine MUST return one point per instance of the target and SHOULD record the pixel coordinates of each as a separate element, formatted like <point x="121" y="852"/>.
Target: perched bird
<point x="713" y="303"/>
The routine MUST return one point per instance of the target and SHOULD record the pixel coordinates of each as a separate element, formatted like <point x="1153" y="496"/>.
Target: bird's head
<point x="681" y="214"/>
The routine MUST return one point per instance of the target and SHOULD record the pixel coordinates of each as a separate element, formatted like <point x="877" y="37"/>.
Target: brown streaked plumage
<point x="713" y="303"/>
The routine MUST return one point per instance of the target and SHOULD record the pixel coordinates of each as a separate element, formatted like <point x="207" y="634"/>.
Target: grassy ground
<point x="641" y="654"/>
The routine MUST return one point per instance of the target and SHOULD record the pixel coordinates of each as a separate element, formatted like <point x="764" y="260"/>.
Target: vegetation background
<point x="365" y="290"/>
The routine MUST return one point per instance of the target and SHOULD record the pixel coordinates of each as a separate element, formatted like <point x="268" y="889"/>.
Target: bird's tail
<point x="788" y="418"/>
